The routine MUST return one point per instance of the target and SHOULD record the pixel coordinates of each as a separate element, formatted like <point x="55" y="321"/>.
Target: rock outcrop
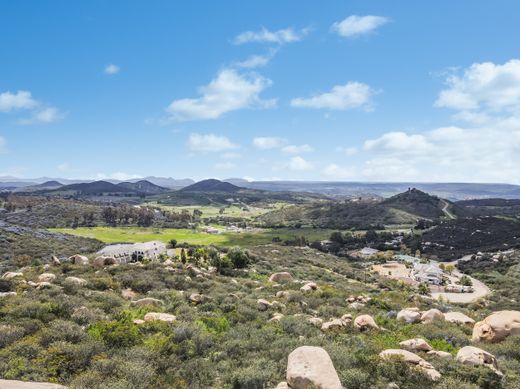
<point x="432" y="315"/>
<point x="415" y="345"/>
<point x="309" y="366"/>
<point x="78" y="260"/>
<point x="470" y="355"/>
<point x="412" y="359"/>
<point x="497" y="326"/>
<point x="365" y="323"/>
<point x="281" y="277"/>
<point x="458" y="318"/>
<point x="152" y="316"/>
<point x="409" y="315"/>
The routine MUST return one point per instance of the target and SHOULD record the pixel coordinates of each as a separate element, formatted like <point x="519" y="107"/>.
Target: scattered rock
<point x="415" y="345"/>
<point x="346" y="318"/>
<point x="196" y="298"/>
<point x="282" y="385"/>
<point x="7" y="294"/>
<point x="308" y="287"/>
<point x="151" y="316"/>
<point x="138" y="321"/>
<point x="263" y="305"/>
<point x="311" y="366"/>
<point x="76" y="281"/>
<point x="282" y="294"/>
<point x="409" y="315"/>
<point x="432" y="315"/>
<point x="315" y="321"/>
<point x="470" y="355"/>
<point x="78" y="260"/>
<point x="276" y="317"/>
<point x="46" y="277"/>
<point x="412" y="359"/>
<point x="497" y="326"/>
<point x="458" y="318"/>
<point x="281" y="277"/>
<point x="128" y="294"/>
<point x="333" y="325"/>
<point x="11" y="274"/>
<point x="55" y="261"/>
<point x="147" y="301"/>
<point x="365" y="323"/>
<point x="356" y="305"/>
<point x="43" y="285"/>
<point x="440" y="354"/>
<point x="105" y="260"/>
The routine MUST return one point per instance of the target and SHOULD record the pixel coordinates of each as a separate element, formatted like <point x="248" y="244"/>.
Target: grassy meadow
<point x="143" y="234"/>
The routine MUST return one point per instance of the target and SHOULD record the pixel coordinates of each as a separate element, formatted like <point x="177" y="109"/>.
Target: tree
<point x="424" y="289"/>
<point x="449" y="268"/>
<point x="465" y="281"/>
<point x="336" y="237"/>
<point x="173" y="243"/>
<point x="183" y="255"/>
<point x="238" y="257"/>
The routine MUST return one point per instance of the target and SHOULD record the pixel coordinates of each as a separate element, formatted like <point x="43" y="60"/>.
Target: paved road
<point x="448" y="214"/>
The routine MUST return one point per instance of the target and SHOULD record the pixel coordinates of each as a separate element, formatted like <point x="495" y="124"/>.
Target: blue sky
<point x="341" y="90"/>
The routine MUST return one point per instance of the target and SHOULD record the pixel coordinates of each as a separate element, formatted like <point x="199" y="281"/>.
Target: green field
<point x="142" y="234"/>
<point x="246" y="212"/>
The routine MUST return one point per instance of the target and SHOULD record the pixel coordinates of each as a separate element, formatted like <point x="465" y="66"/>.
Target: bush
<point x="117" y="334"/>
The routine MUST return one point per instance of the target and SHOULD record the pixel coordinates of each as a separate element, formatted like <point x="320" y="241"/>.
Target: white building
<point x="425" y="272"/>
<point x="134" y="252"/>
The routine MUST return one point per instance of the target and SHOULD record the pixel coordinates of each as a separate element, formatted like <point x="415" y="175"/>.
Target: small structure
<point x="426" y="272"/>
<point x="365" y="252"/>
<point x="134" y="252"/>
<point x="407" y="258"/>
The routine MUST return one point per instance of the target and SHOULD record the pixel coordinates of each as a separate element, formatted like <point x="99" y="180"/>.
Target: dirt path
<point x="479" y="289"/>
<point x="448" y="214"/>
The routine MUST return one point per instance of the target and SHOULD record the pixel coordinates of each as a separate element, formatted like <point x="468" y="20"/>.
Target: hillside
<point x="211" y="185"/>
<point x="490" y="207"/>
<point x="143" y="186"/>
<point x="405" y="208"/>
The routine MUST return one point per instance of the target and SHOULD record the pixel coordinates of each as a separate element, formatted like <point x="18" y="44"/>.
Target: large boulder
<point x="147" y="301"/>
<point x="263" y="304"/>
<point x="309" y="287"/>
<point x="309" y="366"/>
<point x="440" y="354"/>
<point x="76" y="281"/>
<point x="409" y="316"/>
<point x="152" y="316"/>
<point x="333" y="325"/>
<point x="105" y="260"/>
<point x="415" y="345"/>
<point x="46" y="277"/>
<point x="128" y="294"/>
<point x="11" y="274"/>
<point x="412" y="359"/>
<point x="281" y="277"/>
<point x="470" y="355"/>
<point x="365" y="323"/>
<point x="79" y="260"/>
<point x="458" y="318"/>
<point x="432" y="315"/>
<point x="497" y="326"/>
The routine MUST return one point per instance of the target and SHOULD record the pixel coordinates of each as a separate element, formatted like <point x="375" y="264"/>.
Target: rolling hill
<point x="212" y="185"/>
<point x="143" y="186"/>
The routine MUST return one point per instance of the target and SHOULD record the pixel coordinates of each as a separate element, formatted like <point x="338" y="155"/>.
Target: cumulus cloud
<point x="268" y="142"/>
<point x="210" y="143"/>
<point x="297" y="149"/>
<point x="254" y="61"/>
<point x="229" y="91"/>
<point x="341" y="97"/>
<point x="45" y="115"/>
<point x="23" y="100"/>
<point x="355" y="26"/>
<point x="483" y="87"/>
<point x="280" y="37"/>
<point x="111" y="69"/>
<point x="349" y="151"/>
<point x="299" y="164"/>
<point x="15" y="101"/>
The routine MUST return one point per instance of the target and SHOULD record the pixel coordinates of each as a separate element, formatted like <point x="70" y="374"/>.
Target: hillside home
<point x="429" y="273"/>
<point x="135" y="252"/>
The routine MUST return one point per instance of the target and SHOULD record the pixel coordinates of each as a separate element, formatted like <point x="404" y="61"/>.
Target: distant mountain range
<point x="451" y="191"/>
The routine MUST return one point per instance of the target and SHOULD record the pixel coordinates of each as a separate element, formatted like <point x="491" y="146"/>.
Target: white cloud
<point x="486" y="86"/>
<point x="355" y="26"/>
<point x="269" y="142"/>
<point x="299" y="164"/>
<point x="287" y="35"/>
<point x="14" y="101"/>
<point x="45" y="116"/>
<point x="341" y="97"/>
<point x="112" y="69"/>
<point x="225" y="165"/>
<point x="400" y="142"/>
<point x="336" y="172"/>
<point x="210" y="143"/>
<point x="229" y="91"/>
<point x="295" y="149"/>
<point x="254" y="61"/>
